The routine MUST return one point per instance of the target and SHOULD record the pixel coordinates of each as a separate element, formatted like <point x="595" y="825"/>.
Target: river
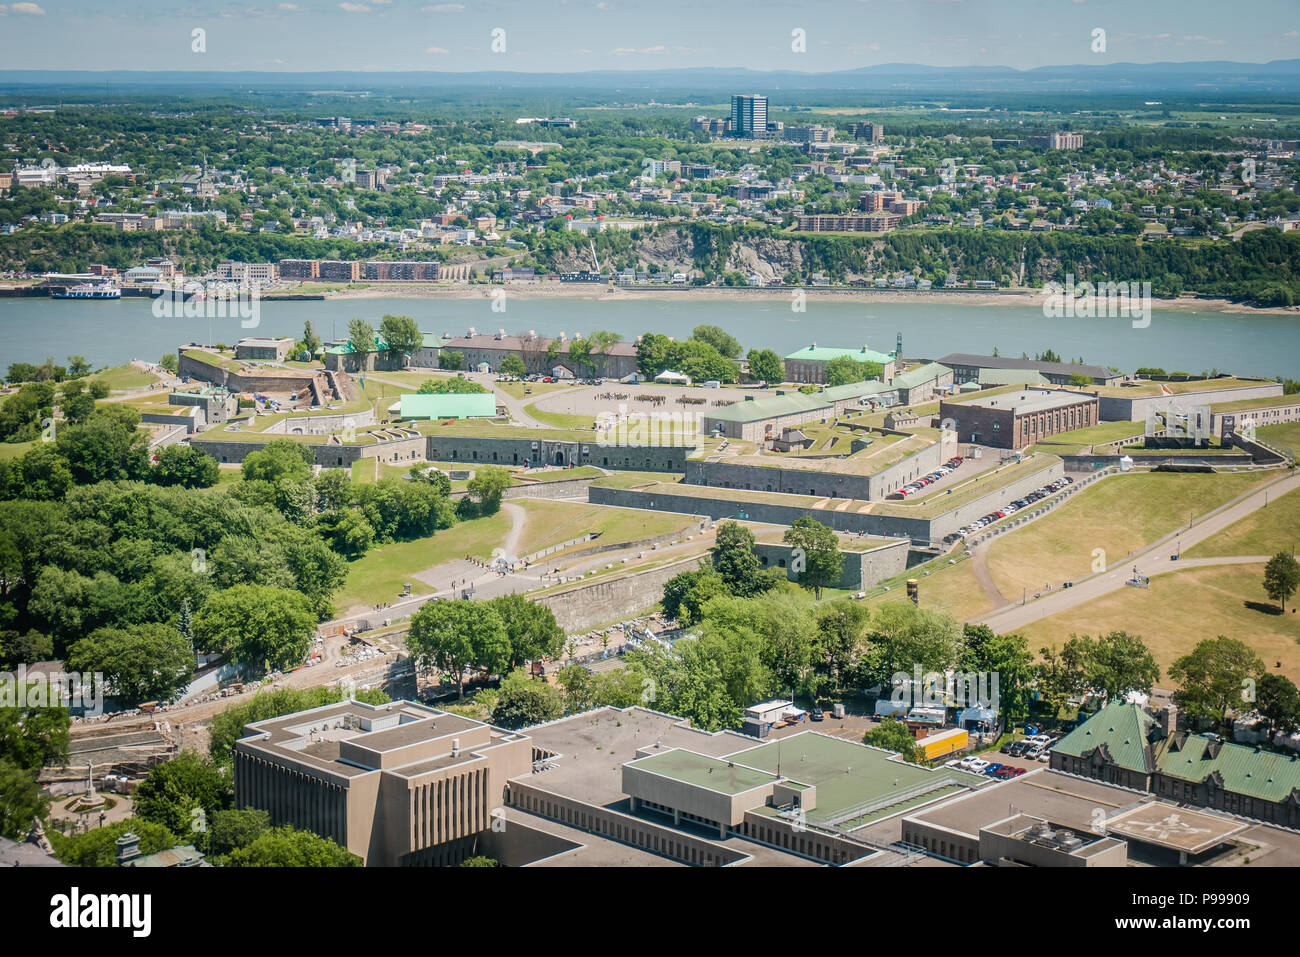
<point x="108" y="333"/>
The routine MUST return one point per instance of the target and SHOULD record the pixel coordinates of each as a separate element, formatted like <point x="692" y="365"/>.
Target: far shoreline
<point x="1028" y="298"/>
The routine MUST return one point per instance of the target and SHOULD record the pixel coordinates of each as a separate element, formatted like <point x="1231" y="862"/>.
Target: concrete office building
<point x="395" y="784"/>
<point x="1016" y="420"/>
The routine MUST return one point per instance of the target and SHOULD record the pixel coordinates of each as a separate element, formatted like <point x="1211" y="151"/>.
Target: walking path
<point x="1156" y="559"/>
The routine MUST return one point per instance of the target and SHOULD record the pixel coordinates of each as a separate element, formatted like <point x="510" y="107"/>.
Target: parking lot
<point x="1011" y="508"/>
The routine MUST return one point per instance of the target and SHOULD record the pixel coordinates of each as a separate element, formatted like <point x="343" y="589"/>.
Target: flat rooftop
<point x="1030" y="401"/>
<point x="1177" y="828"/>
<point x="702" y="771"/>
<point x="851" y="778"/>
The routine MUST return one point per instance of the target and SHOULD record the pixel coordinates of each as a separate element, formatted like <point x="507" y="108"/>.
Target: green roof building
<point x="1124" y="744"/>
<point x="809" y="364"/>
<point x="452" y="405"/>
<point x="922" y="384"/>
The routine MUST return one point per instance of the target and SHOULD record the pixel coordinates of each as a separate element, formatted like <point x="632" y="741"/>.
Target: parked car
<point x="817" y="714"/>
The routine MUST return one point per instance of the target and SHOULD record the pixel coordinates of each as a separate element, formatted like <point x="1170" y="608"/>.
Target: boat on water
<point x="88" y="290"/>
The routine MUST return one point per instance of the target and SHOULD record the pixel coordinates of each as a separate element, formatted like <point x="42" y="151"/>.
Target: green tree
<point x="310" y="341"/>
<point x="1278" y="701"/>
<point x="182" y="794"/>
<point x="279" y="459"/>
<point x="841" y="632"/>
<point x="1118" y="663"/>
<point x="531" y="627"/>
<point x="455" y="635"/>
<point x="735" y="559"/>
<point x="1214" y="676"/>
<point x="523" y="701"/>
<point x="21" y="800"/>
<point x="487" y="486"/>
<point x="719" y="338"/>
<point x="98" y="846"/>
<point x="139" y="662"/>
<point x="1281" y="578"/>
<point x="257" y="624"/>
<point x="844" y="370"/>
<point x="402" y="334"/>
<point x="480" y="861"/>
<point x="817" y="549"/>
<point x="892" y="735"/>
<point x="362" y="336"/>
<point x="234" y="828"/>
<point x="451" y="359"/>
<point x="169" y="362"/>
<point x="766" y="366"/>
<point x="1081" y="381"/>
<point x="453" y="386"/>
<point x="289" y="847"/>
<point x="186" y="466"/>
<point x="512" y="365"/>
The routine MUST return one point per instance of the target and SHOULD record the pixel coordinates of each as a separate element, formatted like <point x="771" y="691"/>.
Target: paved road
<point x="1155" y="559"/>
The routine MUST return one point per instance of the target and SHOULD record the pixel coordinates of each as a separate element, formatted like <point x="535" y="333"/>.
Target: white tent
<point x="674" y="378"/>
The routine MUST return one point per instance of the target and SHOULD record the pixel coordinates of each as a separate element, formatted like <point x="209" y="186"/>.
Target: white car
<point x="975" y="764"/>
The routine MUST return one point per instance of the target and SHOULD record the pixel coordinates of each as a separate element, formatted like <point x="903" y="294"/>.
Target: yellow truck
<point x="943" y="743"/>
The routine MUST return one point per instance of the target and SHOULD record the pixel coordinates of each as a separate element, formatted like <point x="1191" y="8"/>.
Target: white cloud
<point x="444" y="8"/>
<point x="354" y="7"/>
<point x="626" y="51"/>
<point x="437" y="51"/>
<point x="31" y="9"/>
<point x="289" y="6"/>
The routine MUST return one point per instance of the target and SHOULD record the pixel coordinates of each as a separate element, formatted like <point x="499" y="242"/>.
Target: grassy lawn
<point x="1283" y="436"/>
<point x="14" y="450"/>
<point x="632" y="479"/>
<point x="1267" y="531"/>
<point x="948" y="588"/>
<point x="560" y="420"/>
<point x="1120" y="515"/>
<point x="519" y="390"/>
<point x="380" y="573"/>
<point x="1078" y="441"/>
<point x="550" y="523"/>
<point x="557" y="475"/>
<point x="126" y="377"/>
<point x="1182" y="608"/>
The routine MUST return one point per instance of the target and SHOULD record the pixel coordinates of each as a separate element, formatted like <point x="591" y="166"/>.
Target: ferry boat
<point x="88" y="290"/>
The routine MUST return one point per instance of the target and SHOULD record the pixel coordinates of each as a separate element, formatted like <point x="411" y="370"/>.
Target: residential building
<point x="880" y="222"/>
<point x="871" y="132"/>
<point x="748" y="115"/>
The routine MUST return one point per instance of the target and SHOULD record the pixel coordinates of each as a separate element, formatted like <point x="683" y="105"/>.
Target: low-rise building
<point x="809" y="364"/>
<point x="1016" y="420"/>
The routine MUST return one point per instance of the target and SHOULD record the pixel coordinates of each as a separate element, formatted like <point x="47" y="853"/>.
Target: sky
<point x="578" y="35"/>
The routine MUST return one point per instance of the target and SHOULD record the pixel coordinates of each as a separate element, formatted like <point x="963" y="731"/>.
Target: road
<point x="1155" y="559"/>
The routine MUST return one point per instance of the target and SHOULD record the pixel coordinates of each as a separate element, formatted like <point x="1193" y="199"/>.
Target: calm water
<point x="109" y="333"/>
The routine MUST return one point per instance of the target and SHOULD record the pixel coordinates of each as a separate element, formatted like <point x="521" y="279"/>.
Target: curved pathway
<point x="1155" y="559"/>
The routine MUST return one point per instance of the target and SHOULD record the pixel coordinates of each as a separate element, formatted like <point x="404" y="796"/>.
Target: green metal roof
<point x="816" y="353"/>
<point x="454" y="405"/>
<point x="433" y="340"/>
<point x="996" y="377"/>
<point x="855" y="390"/>
<point x="1266" y="775"/>
<point x="1123" y="728"/>
<point x="348" y="348"/>
<point x="769" y="408"/>
<point x="921" y="374"/>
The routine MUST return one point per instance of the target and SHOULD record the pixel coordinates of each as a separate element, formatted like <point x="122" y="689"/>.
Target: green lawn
<point x="1267" y="531"/>
<point x="14" y="450"/>
<point x="560" y="420"/>
<point x="520" y="390"/>
<point x="550" y="523"/>
<point x="633" y="479"/>
<point x="556" y="475"/>
<point x="1283" y="436"/>
<point x="1119" y="515"/>
<point x="1078" y="441"/>
<point x="1182" y="608"/>
<point x="125" y="378"/>
<point x="380" y="573"/>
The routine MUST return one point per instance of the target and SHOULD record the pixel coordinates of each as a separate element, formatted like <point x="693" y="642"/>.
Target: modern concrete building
<point x="1016" y="420"/>
<point x="748" y="115"/>
<point x="395" y="784"/>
